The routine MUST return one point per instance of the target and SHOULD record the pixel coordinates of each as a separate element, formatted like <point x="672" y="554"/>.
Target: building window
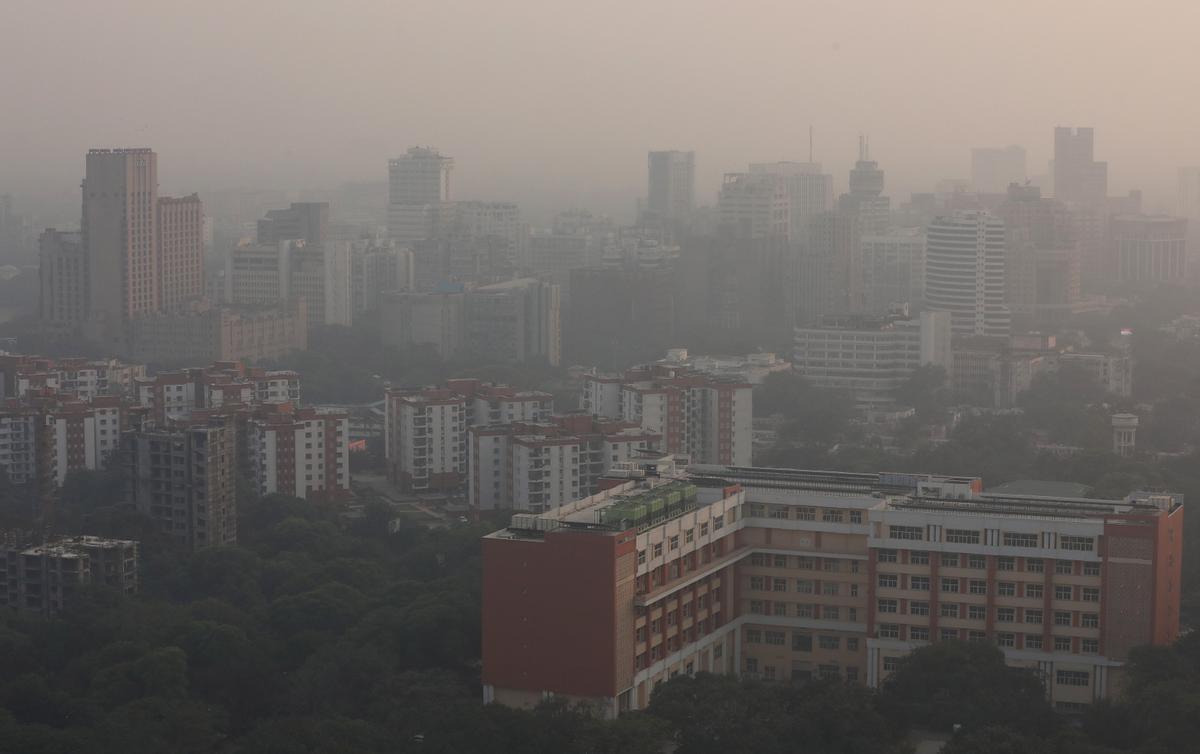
<point x="918" y="608"/>
<point x="1006" y="614"/>
<point x="855" y="518"/>
<point x="830" y="566"/>
<point x="1064" y="567"/>
<point x="962" y="536"/>
<point x="950" y="559"/>
<point x="886" y="556"/>
<point x="976" y="612"/>
<point x="751" y="665"/>
<point x="704" y="529"/>
<point x="1006" y="640"/>
<point x="718" y="522"/>
<point x="753" y="636"/>
<point x="1033" y="591"/>
<point x="781" y="608"/>
<point x="1062" y="618"/>
<point x="779" y="585"/>
<point x="830" y="588"/>
<point x="887" y="606"/>
<point x="805" y="611"/>
<point x="1091" y="594"/>
<point x="948" y="609"/>
<point x="758" y="583"/>
<point x="1063" y="592"/>
<point x="978" y="562"/>
<point x="851" y="644"/>
<point x="1035" y="565"/>
<point x="831" y="516"/>
<point x="775" y="638"/>
<point x="1034" y="617"/>
<point x="948" y="634"/>
<point x="889" y="631"/>
<point x="950" y="585"/>
<point x="801" y="642"/>
<point x="1014" y="539"/>
<point x="1062" y="643"/>
<point x="888" y="580"/>
<point x="780" y="561"/>
<point x="919" y="557"/>
<point x="806" y="514"/>
<point x="1091" y="569"/>
<point x="804" y="586"/>
<point x="806" y="563"/>
<point x="758" y="607"/>
<point x="906" y="532"/>
<point x="831" y="613"/>
<point x="977" y="586"/>
<point x="1090" y="620"/>
<point x="1079" y="544"/>
<point x="673" y="543"/>
<point x="1033" y="641"/>
<point x="689" y="535"/>
<point x="641" y="557"/>
<point x="1006" y="589"/>
<point x="918" y="583"/>
<point x="658" y="549"/>
<point x="1089" y="646"/>
<point x="1005" y="563"/>
<point x="918" y="633"/>
<point x="889" y="664"/>
<point x="778" y="511"/>
<point x="829" y="642"/>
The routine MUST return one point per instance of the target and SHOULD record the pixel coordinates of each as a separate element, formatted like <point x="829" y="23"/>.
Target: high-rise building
<point x="183" y="477"/>
<point x="63" y="277"/>
<point x="705" y="417"/>
<point x="180" y="250"/>
<point x="865" y="196"/>
<point x="893" y="270"/>
<point x="1078" y="177"/>
<point x="965" y="273"/>
<point x="120" y="219"/>
<point x="809" y="191"/>
<point x="302" y="221"/>
<point x="671" y="185"/>
<point x="268" y="274"/>
<point x="1043" y="268"/>
<point x="299" y="452"/>
<point x="829" y="269"/>
<point x="376" y="269"/>
<point x="418" y="187"/>
<point x="515" y="321"/>
<point x="789" y="575"/>
<point x="993" y="169"/>
<point x="754" y="205"/>
<point x="1149" y="248"/>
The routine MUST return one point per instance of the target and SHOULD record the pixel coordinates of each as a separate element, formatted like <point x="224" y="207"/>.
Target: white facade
<point x="755" y="205"/>
<point x="426" y="440"/>
<point x="872" y="358"/>
<point x="965" y="272"/>
<point x="671" y="184"/>
<point x="809" y="190"/>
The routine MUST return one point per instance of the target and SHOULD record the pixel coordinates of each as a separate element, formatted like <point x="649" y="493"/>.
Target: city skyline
<point x="590" y="152"/>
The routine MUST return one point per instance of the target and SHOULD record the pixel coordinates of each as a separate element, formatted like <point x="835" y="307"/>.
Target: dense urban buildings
<point x="1078" y="177"/>
<point x="1149" y="248"/>
<point x="671" y="185"/>
<point x="418" y="191"/>
<point x="809" y="191"/>
<point x="63" y="277"/>
<point x="789" y="575"/>
<point x="699" y="415"/>
<point x="965" y="272"/>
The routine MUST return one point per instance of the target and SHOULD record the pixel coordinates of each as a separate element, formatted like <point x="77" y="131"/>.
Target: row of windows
<point x="801" y="642"/>
<point x="803" y="610"/>
<point x="953" y="585"/>
<point x="979" y="612"/>
<point x="979" y="562"/>
<point x="805" y="563"/>
<point x="718" y="522"/>
<point x="802" y="513"/>
<point x="1010" y="539"/>
<point x="803" y="586"/>
<point x="1003" y="639"/>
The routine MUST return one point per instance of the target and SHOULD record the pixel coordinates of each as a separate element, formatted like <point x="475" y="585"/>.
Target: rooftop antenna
<point x="810" y="143"/>
<point x="862" y="148"/>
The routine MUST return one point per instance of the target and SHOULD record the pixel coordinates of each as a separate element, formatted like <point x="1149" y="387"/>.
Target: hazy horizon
<point x="554" y="105"/>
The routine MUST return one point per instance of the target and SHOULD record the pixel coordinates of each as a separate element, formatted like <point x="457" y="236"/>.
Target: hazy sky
<point x="554" y="103"/>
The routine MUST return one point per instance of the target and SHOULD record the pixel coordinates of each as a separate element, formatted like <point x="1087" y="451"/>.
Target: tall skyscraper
<point x="120" y="219"/>
<point x="754" y="205"/>
<point x="62" y="270"/>
<point x="180" y="250"/>
<point x="965" y="273"/>
<point x="865" y="197"/>
<point x="418" y="186"/>
<point x="302" y="221"/>
<point x="1077" y="175"/>
<point x="829" y="278"/>
<point x="809" y="191"/>
<point x="671" y="185"/>
<point x="994" y="168"/>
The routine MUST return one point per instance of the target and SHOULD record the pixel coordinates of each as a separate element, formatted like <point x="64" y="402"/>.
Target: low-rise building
<point x="44" y="578"/>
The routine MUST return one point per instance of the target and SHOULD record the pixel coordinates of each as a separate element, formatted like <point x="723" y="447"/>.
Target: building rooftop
<point x="1040" y="488"/>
